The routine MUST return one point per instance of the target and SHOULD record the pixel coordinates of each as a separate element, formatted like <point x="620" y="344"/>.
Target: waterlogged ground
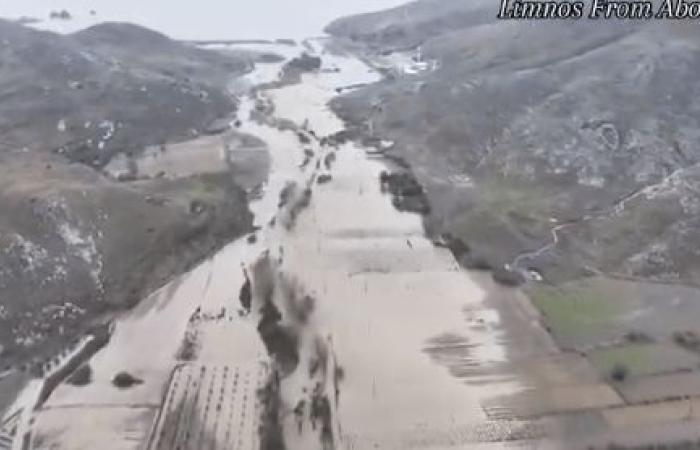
<point x="390" y="345"/>
<point x="398" y="314"/>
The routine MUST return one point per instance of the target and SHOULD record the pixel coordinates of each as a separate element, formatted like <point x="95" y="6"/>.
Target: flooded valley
<point x="377" y="337"/>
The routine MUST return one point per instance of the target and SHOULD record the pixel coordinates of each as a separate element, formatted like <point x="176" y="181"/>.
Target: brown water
<point x="397" y="312"/>
<point x="410" y="345"/>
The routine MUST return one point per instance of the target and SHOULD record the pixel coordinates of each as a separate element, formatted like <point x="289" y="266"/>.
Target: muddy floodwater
<point x="393" y="343"/>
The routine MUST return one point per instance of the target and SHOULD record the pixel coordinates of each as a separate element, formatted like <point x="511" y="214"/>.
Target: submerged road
<point x="383" y="341"/>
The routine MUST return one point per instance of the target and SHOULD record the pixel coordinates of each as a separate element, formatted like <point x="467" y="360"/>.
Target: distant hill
<point x="59" y="93"/>
<point x="409" y="25"/>
<point x="74" y="243"/>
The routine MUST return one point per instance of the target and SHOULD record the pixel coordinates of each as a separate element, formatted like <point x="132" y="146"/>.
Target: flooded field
<point x="407" y="326"/>
<point x="210" y="407"/>
<point x="374" y="336"/>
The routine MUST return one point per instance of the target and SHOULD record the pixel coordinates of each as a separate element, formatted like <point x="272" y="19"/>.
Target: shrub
<point x="619" y="373"/>
<point x="188" y="348"/>
<point x="508" y="277"/>
<point x="81" y="377"/>
<point x="475" y="261"/>
<point x="457" y="246"/>
<point x="305" y="63"/>
<point x="638" y="337"/>
<point x="687" y="339"/>
<point x="324" y="178"/>
<point x="124" y="380"/>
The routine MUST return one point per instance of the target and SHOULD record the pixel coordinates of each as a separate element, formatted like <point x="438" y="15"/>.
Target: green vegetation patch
<point x="642" y="359"/>
<point x="637" y="360"/>
<point x="506" y="196"/>
<point x="581" y="314"/>
<point x="504" y="204"/>
<point x="504" y="218"/>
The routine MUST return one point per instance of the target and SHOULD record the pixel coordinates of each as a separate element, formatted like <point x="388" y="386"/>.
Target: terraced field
<point x="210" y="407"/>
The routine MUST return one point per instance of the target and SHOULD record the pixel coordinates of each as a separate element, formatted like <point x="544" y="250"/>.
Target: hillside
<point x="584" y="127"/>
<point x="564" y="156"/>
<point x="409" y="25"/>
<point x="77" y="244"/>
<point x="106" y="88"/>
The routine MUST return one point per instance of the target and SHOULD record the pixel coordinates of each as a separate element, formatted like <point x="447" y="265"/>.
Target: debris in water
<point x="245" y="296"/>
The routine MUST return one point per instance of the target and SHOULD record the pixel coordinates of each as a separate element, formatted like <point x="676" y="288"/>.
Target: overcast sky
<point x="201" y="19"/>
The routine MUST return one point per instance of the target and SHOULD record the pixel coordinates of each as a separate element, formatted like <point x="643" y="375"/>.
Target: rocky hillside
<point x="74" y="242"/>
<point x="107" y="88"/>
<point x="409" y="25"/>
<point x="570" y="147"/>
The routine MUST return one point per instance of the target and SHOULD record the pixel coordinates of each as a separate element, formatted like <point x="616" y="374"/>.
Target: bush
<point x="619" y="373"/>
<point x="81" y="377"/>
<point x="324" y="178"/>
<point x="299" y="203"/>
<point x="457" y="246"/>
<point x="286" y="194"/>
<point x="507" y="277"/>
<point x="687" y="339"/>
<point x="188" y="348"/>
<point x="37" y="370"/>
<point x="305" y="63"/>
<point x="638" y="337"/>
<point x="328" y="160"/>
<point x="474" y="261"/>
<point x="124" y="380"/>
